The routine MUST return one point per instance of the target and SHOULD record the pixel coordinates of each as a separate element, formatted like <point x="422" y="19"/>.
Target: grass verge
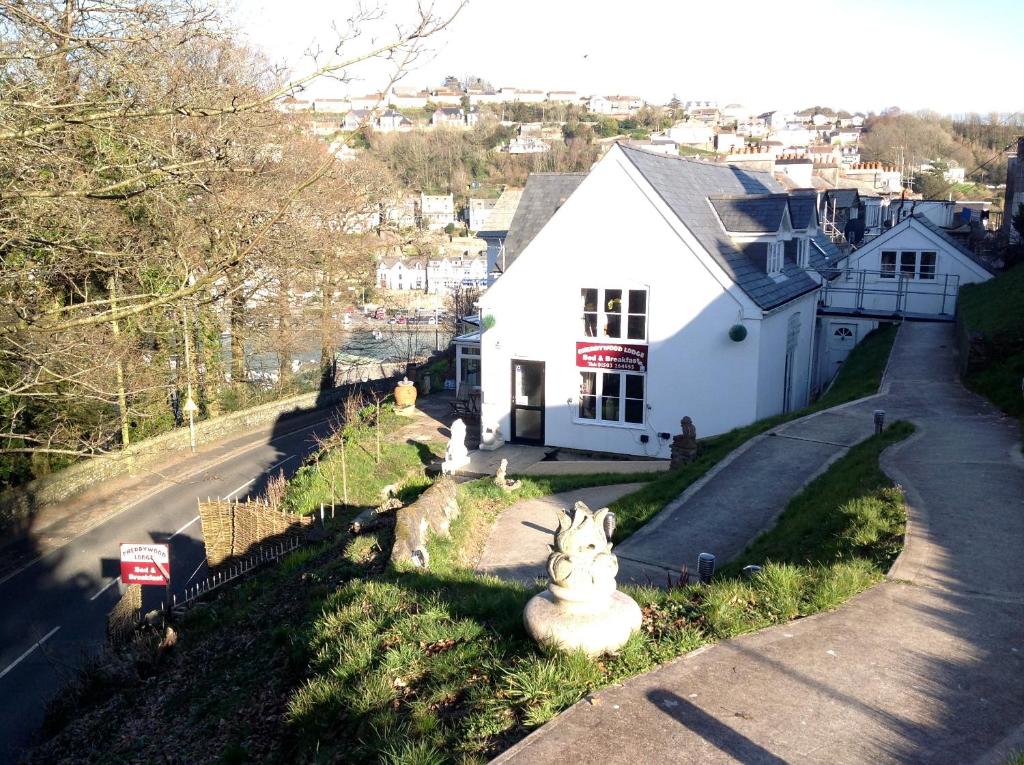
<point x="860" y="376"/>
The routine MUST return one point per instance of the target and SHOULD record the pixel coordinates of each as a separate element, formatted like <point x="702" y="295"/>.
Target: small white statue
<point x="456" y="455"/>
<point x="501" y="481"/>
<point x="582" y="608"/>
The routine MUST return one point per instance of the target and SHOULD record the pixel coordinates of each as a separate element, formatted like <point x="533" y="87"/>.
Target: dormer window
<point x="803" y="252"/>
<point x="775" y="250"/>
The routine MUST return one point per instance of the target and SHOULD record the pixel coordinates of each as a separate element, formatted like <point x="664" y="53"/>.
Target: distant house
<point x="400" y="274"/>
<point x="357" y="118"/>
<point x="705" y="112"/>
<point x="436" y="211"/>
<point x="391" y="121"/>
<point x="563" y="96"/>
<point x="727" y="142"/>
<point x="408" y="98"/>
<point x="369" y="101"/>
<point x="478" y="211"/>
<point x="447" y="96"/>
<point x="527" y="145"/>
<point x="616" y="106"/>
<point x="455" y="116"/>
<point x="494" y="228"/>
<point x="691" y="134"/>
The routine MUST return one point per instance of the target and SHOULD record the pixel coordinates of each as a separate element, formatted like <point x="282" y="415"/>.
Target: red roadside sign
<point x="145" y="564"/>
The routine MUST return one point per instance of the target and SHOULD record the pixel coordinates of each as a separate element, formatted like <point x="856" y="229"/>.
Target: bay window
<point x="614" y="313"/>
<point x="616" y="397"/>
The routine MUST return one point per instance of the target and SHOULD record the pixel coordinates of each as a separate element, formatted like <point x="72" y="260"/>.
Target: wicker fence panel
<point x="232" y="529"/>
<point x="126" y="615"/>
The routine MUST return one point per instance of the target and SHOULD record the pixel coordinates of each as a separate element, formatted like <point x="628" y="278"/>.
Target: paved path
<point x="517" y="547"/>
<point x="925" y="668"/>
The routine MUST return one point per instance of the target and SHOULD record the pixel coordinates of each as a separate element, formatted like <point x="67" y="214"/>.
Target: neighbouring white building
<point x="392" y="121"/>
<point x="455" y="116"/>
<point x="658" y="288"/>
<point x="915" y="269"/>
<point x="437" y="210"/>
<point x="691" y="134"/>
<point x="434" y="276"/>
<point x="478" y="212"/>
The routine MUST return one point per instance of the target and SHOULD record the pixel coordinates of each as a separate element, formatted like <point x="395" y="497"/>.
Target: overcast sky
<point x="948" y="56"/>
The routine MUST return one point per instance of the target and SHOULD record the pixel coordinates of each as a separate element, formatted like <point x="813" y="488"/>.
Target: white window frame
<point x="598" y="396"/>
<point x="918" y="273"/>
<point x="624" y="314"/>
<point x="803" y="252"/>
<point x="775" y="257"/>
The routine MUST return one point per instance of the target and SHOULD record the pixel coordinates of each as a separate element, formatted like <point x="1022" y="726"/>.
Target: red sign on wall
<point x="615" y="356"/>
<point x="145" y="564"/>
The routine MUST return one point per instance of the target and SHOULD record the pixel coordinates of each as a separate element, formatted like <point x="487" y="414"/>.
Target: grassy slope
<point x="860" y="376"/>
<point x="996" y="309"/>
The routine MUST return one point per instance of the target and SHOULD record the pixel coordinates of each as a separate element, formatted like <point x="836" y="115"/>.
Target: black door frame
<point x="512" y="409"/>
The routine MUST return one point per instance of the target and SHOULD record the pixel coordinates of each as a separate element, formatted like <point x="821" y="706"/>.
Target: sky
<point x="950" y="57"/>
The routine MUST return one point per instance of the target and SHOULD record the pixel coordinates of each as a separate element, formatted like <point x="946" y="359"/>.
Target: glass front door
<point x="528" y="402"/>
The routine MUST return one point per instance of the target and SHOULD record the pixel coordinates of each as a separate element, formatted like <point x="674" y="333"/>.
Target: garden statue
<point x="501" y="481"/>
<point x="456" y="455"/>
<point x="684" y="446"/>
<point x="582" y="608"/>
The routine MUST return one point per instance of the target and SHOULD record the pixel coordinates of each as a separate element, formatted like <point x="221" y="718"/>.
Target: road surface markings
<point x="24" y="656"/>
<point x="106" y="587"/>
<point x="267" y="471"/>
<point x="172" y="536"/>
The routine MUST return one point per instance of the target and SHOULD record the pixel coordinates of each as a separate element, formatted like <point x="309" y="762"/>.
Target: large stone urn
<point x="405" y="394"/>
<point x="582" y="608"/>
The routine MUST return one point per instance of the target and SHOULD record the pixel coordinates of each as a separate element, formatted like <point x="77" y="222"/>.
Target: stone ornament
<point x="456" y="455"/>
<point x="582" y="608"/>
<point x="684" y="446"/>
<point x="501" y="481"/>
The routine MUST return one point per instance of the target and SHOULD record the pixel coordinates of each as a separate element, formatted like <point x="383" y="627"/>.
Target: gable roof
<point x="543" y="195"/>
<point x="685" y="185"/>
<point x="948" y="238"/>
<point x="749" y="213"/>
<point x="803" y="210"/>
<point x="499" y="219"/>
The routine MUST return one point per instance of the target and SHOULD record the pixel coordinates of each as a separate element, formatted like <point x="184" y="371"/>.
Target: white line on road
<point x="265" y="471"/>
<point x="106" y="587"/>
<point x="21" y="658"/>
<point x="172" y="536"/>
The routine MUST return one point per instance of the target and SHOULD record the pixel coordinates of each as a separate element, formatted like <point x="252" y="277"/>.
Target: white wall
<point x="922" y="295"/>
<point x="609" y="235"/>
<point x="772" y="359"/>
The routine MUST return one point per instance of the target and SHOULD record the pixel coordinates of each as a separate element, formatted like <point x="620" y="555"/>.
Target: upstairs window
<point x="775" y="251"/>
<point x="803" y="252"/>
<point x="614" y="313"/>
<point x="888" y="270"/>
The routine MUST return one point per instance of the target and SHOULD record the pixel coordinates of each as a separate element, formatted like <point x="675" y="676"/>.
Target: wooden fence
<point x="233" y="529"/>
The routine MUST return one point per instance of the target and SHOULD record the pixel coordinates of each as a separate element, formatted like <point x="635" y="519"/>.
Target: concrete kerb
<point x="904" y="568"/>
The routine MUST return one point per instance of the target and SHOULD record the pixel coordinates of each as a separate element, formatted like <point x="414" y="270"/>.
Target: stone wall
<point x="18" y="504"/>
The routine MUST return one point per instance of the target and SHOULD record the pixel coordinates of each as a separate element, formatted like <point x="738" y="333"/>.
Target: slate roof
<point x="802" y="210"/>
<point x="499" y="219"/>
<point x="842" y="197"/>
<point x="685" y="186"/>
<point x="543" y="195"/>
<point x="751" y="214"/>
<point x="942" y="233"/>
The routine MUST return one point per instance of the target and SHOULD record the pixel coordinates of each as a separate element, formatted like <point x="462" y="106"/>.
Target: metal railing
<point x="892" y="292"/>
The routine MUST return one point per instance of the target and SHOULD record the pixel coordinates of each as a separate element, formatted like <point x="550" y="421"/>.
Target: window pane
<point x="589" y="299"/>
<point x="610" y="409"/>
<point x="927" y="265"/>
<point x="588" y="383"/>
<point x="908" y="263"/>
<point x="638" y="301"/>
<point x="634" y="410"/>
<point x="634" y="386"/>
<point x="888" y="265"/>
<point x="637" y="328"/>
<point x="613" y="301"/>
<point x="613" y="325"/>
<point x="610" y="384"/>
<point x="590" y="325"/>
<point x="588" y="407"/>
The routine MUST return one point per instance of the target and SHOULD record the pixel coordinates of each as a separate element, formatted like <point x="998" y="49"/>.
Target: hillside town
<point x="356" y="410"/>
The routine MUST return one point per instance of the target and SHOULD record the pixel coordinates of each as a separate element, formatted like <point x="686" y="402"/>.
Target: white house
<point x="392" y="121"/>
<point x="400" y="274"/>
<point x="437" y="210"/>
<point x="659" y="288"/>
<point x="691" y="134"/>
<point x="527" y="145"/>
<point x="914" y="269"/>
<point x="455" y="116"/>
<point x="478" y="212"/>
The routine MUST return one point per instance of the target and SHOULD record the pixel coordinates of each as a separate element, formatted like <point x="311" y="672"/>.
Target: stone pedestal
<point x="582" y="609"/>
<point x="491" y="438"/>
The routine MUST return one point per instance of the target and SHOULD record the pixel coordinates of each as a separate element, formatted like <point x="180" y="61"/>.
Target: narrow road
<point x="927" y="667"/>
<point x="53" y="608"/>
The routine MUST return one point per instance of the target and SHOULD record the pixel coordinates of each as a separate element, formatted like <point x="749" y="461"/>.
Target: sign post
<point x="147" y="565"/>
